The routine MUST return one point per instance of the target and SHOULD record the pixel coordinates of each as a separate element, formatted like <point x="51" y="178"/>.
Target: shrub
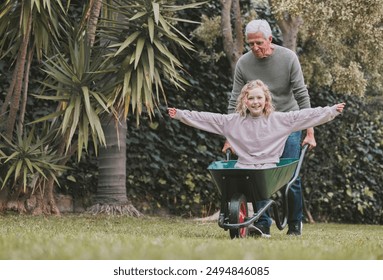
<point x="342" y="176"/>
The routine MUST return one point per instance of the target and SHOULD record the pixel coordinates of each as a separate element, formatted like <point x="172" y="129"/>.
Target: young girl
<point x="255" y="131"/>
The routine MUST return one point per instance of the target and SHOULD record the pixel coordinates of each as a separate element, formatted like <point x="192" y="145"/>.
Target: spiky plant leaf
<point x="81" y="82"/>
<point x="29" y="156"/>
<point x="144" y="39"/>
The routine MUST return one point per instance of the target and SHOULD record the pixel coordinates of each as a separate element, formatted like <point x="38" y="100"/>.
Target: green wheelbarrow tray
<point x="255" y="185"/>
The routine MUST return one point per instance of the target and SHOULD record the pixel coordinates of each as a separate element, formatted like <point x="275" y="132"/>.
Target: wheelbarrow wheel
<point x="237" y="214"/>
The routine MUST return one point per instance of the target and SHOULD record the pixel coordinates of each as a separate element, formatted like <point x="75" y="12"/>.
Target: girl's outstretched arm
<point x="210" y="122"/>
<point x="172" y="112"/>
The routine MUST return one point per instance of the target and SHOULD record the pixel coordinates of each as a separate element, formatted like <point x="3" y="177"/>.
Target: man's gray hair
<point x="259" y="25"/>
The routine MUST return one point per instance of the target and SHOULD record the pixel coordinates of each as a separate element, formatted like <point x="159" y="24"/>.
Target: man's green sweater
<point x="281" y="72"/>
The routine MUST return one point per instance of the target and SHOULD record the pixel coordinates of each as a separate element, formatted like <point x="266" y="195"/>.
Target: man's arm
<point x="303" y="99"/>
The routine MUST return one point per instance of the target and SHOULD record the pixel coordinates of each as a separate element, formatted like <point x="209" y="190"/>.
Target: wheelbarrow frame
<point x="236" y="185"/>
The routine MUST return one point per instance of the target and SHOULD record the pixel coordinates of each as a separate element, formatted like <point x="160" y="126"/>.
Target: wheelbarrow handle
<point x="228" y="154"/>
<point x="297" y="170"/>
<point x="304" y="149"/>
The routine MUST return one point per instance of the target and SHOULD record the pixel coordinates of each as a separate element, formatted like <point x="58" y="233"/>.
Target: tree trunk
<point x="232" y="36"/>
<point x="20" y="66"/>
<point x="290" y="28"/>
<point x="46" y="203"/>
<point x="94" y="13"/>
<point x="111" y="195"/>
<point x="25" y="95"/>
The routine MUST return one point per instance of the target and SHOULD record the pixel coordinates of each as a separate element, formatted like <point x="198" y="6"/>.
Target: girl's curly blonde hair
<point x="241" y="101"/>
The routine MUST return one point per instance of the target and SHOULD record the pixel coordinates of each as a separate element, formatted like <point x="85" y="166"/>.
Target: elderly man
<point x="280" y="70"/>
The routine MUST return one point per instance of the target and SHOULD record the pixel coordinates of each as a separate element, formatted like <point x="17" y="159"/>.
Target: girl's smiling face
<point x="255" y="102"/>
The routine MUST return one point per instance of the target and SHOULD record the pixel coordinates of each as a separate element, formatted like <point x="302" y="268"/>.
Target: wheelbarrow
<point x="239" y="186"/>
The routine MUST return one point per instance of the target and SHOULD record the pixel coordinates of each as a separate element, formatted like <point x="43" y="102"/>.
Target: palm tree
<point x="28" y="29"/>
<point x="143" y="40"/>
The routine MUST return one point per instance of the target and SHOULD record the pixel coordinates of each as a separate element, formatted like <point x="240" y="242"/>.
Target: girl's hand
<point x="340" y="107"/>
<point x="172" y="112"/>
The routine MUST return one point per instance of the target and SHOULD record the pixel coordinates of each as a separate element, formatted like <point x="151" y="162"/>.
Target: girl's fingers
<point x="340" y="106"/>
<point x="172" y="112"/>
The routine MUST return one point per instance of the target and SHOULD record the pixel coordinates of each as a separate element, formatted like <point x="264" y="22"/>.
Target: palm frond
<point x="144" y="39"/>
<point x="82" y="80"/>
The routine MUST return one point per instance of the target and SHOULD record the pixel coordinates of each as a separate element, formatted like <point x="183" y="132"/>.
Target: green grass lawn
<point x="78" y="237"/>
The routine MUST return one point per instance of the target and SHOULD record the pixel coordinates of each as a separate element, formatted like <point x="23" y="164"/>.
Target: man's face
<point x="260" y="46"/>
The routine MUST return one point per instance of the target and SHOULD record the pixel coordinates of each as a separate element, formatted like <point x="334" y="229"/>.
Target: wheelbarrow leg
<point x="224" y="211"/>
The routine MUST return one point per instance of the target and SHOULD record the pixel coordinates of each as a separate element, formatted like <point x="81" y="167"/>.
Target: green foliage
<point x="338" y="37"/>
<point x="47" y="19"/>
<point x="78" y="79"/>
<point x="209" y="32"/>
<point x="144" y="40"/>
<point x="29" y="160"/>
<point x="342" y="176"/>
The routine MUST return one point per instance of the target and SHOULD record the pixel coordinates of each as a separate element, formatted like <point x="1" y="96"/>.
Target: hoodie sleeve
<point x="210" y="122"/>
<point x="311" y="117"/>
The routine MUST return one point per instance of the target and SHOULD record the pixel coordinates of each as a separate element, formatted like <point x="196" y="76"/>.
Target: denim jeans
<point x="292" y="150"/>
